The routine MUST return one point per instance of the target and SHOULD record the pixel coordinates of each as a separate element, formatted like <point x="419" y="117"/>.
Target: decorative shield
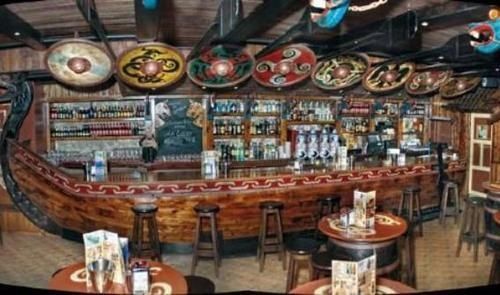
<point x="340" y="72"/>
<point x="151" y="66"/>
<point x="457" y="86"/>
<point x="421" y="83"/>
<point x="78" y="63"/>
<point x="221" y="66"/>
<point x="388" y="77"/>
<point x="284" y="66"/>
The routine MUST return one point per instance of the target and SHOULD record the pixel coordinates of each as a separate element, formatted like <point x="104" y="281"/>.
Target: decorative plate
<point x="285" y="66"/>
<point x="78" y="62"/>
<point x="458" y="86"/>
<point x="387" y="77"/>
<point x="421" y="83"/>
<point x="151" y="66"/>
<point x="221" y="66"/>
<point x="340" y="72"/>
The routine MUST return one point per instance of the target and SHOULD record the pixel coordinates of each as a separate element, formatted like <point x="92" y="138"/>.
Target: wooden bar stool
<point x="453" y="187"/>
<point x="327" y="205"/>
<point x="300" y="249"/>
<point x="469" y="231"/>
<point x="202" y="247"/>
<point x="145" y="212"/>
<point x="407" y="256"/>
<point x="409" y="196"/>
<point x="199" y="285"/>
<point x="270" y="242"/>
<point x="322" y="264"/>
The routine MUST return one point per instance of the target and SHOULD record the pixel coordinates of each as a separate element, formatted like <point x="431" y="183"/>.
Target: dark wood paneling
<point x="478" y="178"/>
<point x="476" y="154"/>
<point x="486" y="155"/>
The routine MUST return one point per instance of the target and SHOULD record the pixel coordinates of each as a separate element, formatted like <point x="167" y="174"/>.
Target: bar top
<point x="130" y="174"/>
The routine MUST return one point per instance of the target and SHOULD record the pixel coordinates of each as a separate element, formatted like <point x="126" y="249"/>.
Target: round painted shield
<point x="340" y="72"/>
<point x="285" y="66"/>
<point x="457" y="86"/>
<point x="388" y="77"/>
<point x="151" y="66"/>
<point x="221" y="66"/>
<point x="78" y="62"/>
<point x="427" y="82"/>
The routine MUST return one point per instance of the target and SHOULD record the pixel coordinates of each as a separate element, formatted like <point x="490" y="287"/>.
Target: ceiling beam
<point x="230" y="13"/>
<point x="89" y="13"/>
<point x="262" y="17"/>
<point x="16" y="28"/>
<point x="148" y="20"/>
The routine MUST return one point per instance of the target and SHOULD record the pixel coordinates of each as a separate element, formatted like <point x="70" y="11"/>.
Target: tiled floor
<point x="28" y="259"/>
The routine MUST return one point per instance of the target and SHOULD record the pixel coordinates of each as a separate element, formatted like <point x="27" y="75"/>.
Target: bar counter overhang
<point x="82" y="206"/>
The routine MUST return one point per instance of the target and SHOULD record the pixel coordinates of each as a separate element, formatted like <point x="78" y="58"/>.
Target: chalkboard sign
<point x="178" y="126"/>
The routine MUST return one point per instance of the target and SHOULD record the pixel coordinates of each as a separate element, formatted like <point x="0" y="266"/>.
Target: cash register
<point x="375" y="145"/>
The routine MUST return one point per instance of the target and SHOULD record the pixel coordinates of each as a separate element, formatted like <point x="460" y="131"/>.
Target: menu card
<point x="104" y="244"/>
<point x="354" y="277"/>
<point x="364" y="209"/>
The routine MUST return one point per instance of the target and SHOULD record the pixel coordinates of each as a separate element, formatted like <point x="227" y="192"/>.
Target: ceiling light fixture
<point x="424" y="24"/>
<point x="17" y="34"/>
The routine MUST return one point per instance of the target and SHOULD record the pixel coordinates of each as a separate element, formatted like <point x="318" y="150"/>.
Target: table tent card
<point x="104" y="244"/>
<point x="354" y="277"/>
<point x="364" y="209"/>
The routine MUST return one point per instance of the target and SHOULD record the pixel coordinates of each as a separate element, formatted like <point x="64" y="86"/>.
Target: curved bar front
<point x="85" y="206"/>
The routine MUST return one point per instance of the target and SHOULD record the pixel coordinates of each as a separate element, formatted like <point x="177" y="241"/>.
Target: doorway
<point x="480" y="153"/>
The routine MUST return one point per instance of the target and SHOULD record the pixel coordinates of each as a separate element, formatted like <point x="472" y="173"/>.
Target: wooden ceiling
<point x="189" y="19"/>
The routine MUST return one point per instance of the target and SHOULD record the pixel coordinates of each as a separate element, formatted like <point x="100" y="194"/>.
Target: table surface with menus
<point x="164" y="280"/>
<point x="387" y="227"/>
<point x="323" y="287"/>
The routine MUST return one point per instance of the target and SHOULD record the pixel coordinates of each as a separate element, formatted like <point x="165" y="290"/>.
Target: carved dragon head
<point x="485" y="36"/>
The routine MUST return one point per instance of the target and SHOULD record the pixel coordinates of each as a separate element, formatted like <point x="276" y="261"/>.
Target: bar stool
<point x="270" y="243"/>
<point x="322" y="264"/>
<point x="469" y="231"/>
<point x="453" y="187"/>
<point x="145" y="212"/>
<point x="495" y="266"/>
<point x="199" y="285"/>
<point x="407" y="256"/>
<point x="409" y="196"/>
<point x="210" y="248"/>
<point x="300" y="249"/>
<point x="331" y="204"/>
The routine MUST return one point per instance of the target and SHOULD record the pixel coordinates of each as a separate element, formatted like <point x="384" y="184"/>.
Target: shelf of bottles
<point x="415" y="110"/>
<point x="228" y="127"/>
<point x="97" y="120"/>
<point x="385" y="120"/>
<point x="312" y="111"/>
<point x="264" y="127"/>
<point x="355" y="109"/>
<point x="96" y="130"/>
<point x="105" y="111"/>
<point x="229" y="107"/>
<point x="260" y="107"/>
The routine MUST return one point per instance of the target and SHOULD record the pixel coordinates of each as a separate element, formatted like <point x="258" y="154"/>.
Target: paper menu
<point x="364" y="209"/>
<point x="354" y="277"/>
<point x="104" y="244"/>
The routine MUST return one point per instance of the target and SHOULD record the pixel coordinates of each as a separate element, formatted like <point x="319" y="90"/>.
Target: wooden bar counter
<point x="71" y="203"/>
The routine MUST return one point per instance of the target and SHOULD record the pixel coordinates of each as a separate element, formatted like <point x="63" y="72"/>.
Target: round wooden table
<point x="164" y="280"/>
<point x="323" y="287"/>
<point x="355" y="243"/>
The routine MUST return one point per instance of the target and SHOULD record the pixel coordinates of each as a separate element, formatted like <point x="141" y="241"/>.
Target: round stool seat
<point x="271" y="205"/>
<point x="206" y="208"/>
<point x="322" y="260"/>
<point x="328" y="199"/>
<point x="199" y="285"/>
<point x="412" y="189"/>
<point x="145" y="208"/>
<point x="302" y="246"/>
<point x="475" y="200"/>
